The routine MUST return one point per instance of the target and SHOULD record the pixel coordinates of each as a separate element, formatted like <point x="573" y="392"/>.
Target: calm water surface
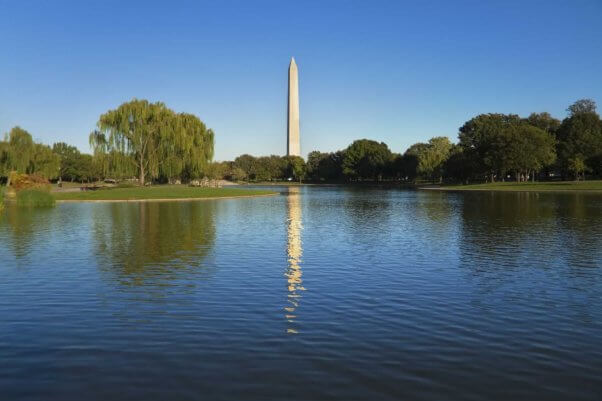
<point x="318" y="293"/>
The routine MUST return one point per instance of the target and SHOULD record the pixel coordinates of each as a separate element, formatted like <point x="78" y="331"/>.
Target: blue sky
<point x="398" y="72"/>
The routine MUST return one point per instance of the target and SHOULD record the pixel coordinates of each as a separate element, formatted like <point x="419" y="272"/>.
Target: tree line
<point x="152" y="142"/>
<point x="138" y="139"/>
<point x="491" y="147"/>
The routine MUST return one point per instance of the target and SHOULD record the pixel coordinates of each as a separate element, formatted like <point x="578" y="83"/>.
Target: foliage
<point x="580" y="137"/>
<point x="582" y="106"/>
<point x="21" y="154"/>
<point x="432" y="156"/>
<point x="577" y="166"/>
<point x="325" y="166"/>
<point x="266" y="168"/>
<point x="20" y="150"/>
<point x="75" y="166"/>
<point x="153" y="140"/>
<point x="543" y="121"/>
<point x="44" y="162"/>
<point x="295" y="167"/>
<point x="529" y="149"/>
<point x="366" y="159"/>
<point x="22" y="182"/>
<point x="34" y="198"/>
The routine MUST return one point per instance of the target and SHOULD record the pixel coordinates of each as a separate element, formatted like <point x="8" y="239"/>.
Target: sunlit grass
<point x="532" y="186"/>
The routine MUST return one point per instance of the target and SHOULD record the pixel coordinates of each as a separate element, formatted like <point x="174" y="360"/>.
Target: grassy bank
<point x="162" y="192"/>
<point x="561" y="186"/>
<point x="34" y="198"/>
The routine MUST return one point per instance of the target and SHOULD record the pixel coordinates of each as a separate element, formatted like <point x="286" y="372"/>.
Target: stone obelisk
<point x="293" y="147"/>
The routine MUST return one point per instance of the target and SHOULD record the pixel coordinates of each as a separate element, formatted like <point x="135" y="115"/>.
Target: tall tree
<point x="70" y="156"/>
<point x="149" y="136"/>
<point x="295" y="167"/>
<point x="366" y="159"/>
<point x="528" y="149"/>
<point x="19" y="152"/>
<point x="580" y="135"/>
<point x="582" y="106"/>
<point x="432" y="156"/>
<point x="44" y="162"/>
<point x="544" y="121"/>
<point x="484" y="141"/>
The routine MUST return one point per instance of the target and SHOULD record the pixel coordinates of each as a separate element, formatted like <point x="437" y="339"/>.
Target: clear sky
<point x="398" y="72"/>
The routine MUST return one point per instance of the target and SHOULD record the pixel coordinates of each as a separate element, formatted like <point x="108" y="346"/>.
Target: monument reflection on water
<point x="294" y="249"/>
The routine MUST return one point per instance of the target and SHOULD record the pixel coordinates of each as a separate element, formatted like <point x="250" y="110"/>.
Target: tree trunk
<point x="141" y="174"/>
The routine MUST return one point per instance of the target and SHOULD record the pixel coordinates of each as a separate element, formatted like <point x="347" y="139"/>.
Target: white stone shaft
<point x="293" y="146"/>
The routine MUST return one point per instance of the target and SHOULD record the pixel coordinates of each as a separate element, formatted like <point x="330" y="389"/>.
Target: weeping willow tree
<point x="21" y="154"/>
<point x="44" y="162"/>
<point x="17" y="152"/>
<point x="152" y="139"/>
<point x="191" y="149"/>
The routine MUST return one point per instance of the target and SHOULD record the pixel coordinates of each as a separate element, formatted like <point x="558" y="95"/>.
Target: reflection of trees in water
<point x="580" y="229"/>
<point x="24" y="225"/>
<point x="367" y="210"/>
<point x="505" y="228"/>
<point x="294" y="249"/>
<point x="153" y="240"/>
<point x="438" y="208"/>
<point x="530" y="249"/>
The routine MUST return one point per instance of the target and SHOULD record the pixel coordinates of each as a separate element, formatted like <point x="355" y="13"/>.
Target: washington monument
<point x="293" y="147"/>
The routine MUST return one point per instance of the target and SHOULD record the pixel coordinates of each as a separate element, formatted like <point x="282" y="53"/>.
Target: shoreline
<point x="161" y="199"/>
<point x="444" y="189"/>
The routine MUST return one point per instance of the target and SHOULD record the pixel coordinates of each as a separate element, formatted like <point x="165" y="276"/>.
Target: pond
<point x="317" y="293"/>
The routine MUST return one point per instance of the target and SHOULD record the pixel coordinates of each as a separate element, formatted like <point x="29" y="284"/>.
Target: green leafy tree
<point x="432" y="156"/>
<point x="577" y="166"/>
<point x="528" y="149"/>
<point x="325" y="166"/>
<point x="70" y="161"/>
<point x="295" y="167"/>
<point x="580" y="135"/>
<point x="582" y="106"/>
<point x="458" y="167"/>
<point x="19" y="151"/>
<point x="484" y="140"/>
<point x="366" y="159"/>
<point x="151" y="137"/>
<point x="543" y="121"/>
<point x="246" y="163"/>
<point x="44" y="162"/>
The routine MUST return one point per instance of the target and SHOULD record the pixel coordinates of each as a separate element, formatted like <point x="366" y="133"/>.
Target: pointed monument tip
<point x="292" y="60"/>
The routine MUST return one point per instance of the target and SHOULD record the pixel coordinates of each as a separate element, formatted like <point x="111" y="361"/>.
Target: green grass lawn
<point x="531" y="186"/>
<point x="157" y="192"/>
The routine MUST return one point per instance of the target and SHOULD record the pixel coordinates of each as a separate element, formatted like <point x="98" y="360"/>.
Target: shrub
<point x="34" y="198"/>
<point x="28" y="181"/>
